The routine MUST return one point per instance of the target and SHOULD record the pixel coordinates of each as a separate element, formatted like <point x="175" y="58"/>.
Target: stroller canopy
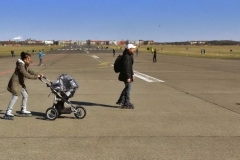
<point x="65" y="83"/>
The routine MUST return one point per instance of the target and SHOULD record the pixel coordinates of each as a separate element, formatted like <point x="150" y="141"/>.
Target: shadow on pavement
<point x="34" y="114"/>
<point x="42" y="116"/>
<point x="92" y="104"/>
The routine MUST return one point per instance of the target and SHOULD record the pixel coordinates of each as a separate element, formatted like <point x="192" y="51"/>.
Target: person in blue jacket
<point x="40" y="54"/>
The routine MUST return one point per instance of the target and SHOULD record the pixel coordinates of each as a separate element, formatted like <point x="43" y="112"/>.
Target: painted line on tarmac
<point x="9" y="71"/>
<point x="142" y="76"/>
<point x="94" y="56"/>
<point x="146" y="78"/>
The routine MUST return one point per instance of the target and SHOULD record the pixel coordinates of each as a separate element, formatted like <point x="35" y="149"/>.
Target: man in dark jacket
<point x="126" y="75"/>
<point x="16" y="84"/>
<point x="155" y="55"/>
<point x="12" y="52"/>
<point x="113" y="52"/>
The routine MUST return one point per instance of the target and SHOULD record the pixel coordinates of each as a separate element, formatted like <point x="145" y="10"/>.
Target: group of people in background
<point x="154" y="52"/>
<point x="40" y="55"/>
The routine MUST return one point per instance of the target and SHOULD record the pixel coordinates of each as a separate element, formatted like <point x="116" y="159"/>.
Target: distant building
<point x="148" y="42"/>
<point x="79" y="42"/>
<point x="98" y="42"/>
<point x="133" y="42"/>
<point x="197" y="42"/>
<point x="113" y="42"/>
<point x="140" y="42"/>
<point x="30" y="41"/>
<point x="48" y="42"/>
<point x="122" y="42"/>
<point x="39" y="41"/>
<point x="64" y="42"/>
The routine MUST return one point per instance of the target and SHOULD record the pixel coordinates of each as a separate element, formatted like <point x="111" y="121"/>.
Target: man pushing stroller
<point x="16" y="85"/>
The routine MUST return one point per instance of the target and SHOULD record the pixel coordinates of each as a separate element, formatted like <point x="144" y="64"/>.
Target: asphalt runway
<point x="193" y="114"/>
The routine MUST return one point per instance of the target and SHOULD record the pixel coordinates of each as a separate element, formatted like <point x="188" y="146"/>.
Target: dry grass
<point x="192" y="51"/>
<point x="6" y="50"/>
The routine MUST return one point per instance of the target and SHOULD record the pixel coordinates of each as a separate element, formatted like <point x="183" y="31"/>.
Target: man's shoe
<point x="128" y="106"/>
<point x="119" y="103"/>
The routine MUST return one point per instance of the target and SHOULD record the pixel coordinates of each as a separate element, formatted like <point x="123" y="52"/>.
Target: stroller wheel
<point x="51" y="113"/>
<point x="81" y="112"/>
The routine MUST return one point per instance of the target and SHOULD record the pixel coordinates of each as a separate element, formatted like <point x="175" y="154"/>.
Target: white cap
<point x="130" y="46"/>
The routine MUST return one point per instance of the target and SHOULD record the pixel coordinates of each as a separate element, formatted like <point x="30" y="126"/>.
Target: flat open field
<point x="193" y="51"/>
<point x="193" y="113"/>
<point x="6" y="50"/>
<point x="232" y="52"/>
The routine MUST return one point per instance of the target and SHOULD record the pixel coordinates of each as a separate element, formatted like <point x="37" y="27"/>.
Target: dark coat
<point x="127" y="69"/>
<point x="22" y="71"/>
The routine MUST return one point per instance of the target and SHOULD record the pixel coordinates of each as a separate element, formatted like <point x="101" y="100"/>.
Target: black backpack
<point x="118" y="64"/>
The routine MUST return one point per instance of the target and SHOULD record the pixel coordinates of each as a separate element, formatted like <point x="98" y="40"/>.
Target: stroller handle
<point x="45" y="80"/>
<point x="40" y="78"/>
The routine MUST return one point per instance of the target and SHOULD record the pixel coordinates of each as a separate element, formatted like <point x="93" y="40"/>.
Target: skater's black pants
<point x="154" y="59"/>
<point x="125" y="95"/>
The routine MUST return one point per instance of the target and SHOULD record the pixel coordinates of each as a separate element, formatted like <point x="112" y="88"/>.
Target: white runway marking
<point x="146" y="77"/>
<point x="95" y="56"/>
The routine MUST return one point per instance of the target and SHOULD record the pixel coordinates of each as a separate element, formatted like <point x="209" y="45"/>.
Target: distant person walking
<point x="40" y="54"/>
<point x="33" y="52"/>
<point x="12" y="52"/>
<point x="126" y="75"/>
<point x="113" y="52"/>
<point x="152" y="50"/>
<point x="136" y="51"/>
<point x="155" y="56"/>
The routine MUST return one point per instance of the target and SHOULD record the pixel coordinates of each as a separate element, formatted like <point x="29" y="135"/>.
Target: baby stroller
<point x="63" y="89"/>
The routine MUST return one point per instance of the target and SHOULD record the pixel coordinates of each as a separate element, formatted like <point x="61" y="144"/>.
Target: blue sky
<point x="158" y="20"/>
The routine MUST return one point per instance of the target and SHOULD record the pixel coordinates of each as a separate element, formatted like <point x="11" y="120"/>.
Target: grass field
<point x="232" y="52"/>
<point x="6" y="50"/>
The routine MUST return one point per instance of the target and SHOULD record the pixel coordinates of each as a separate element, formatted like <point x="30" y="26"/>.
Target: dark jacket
<point x="22" y="71"/>
<point x="127" y="69"/>
<point x="155" y="53"/>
